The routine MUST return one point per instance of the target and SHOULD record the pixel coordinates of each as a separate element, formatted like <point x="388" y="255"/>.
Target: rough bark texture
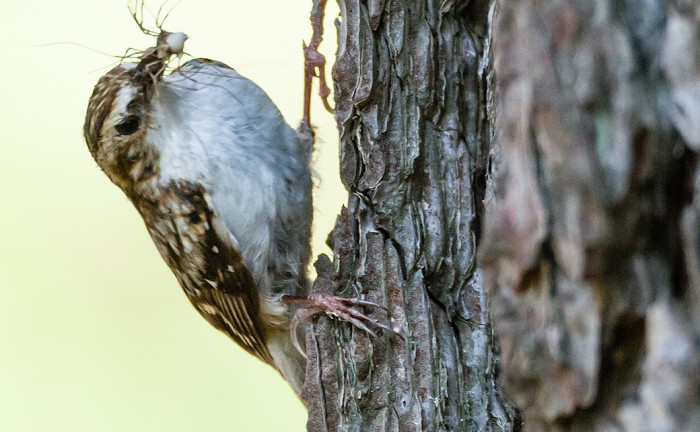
<point x="412" y="89"/>
<point x="591" y="246"/>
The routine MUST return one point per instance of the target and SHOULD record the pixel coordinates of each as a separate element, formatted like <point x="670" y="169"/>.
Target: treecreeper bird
<point x="224" y="187"/>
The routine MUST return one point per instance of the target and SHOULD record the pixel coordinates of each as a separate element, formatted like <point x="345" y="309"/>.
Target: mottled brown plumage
<point x="193" y="242"/>
<point x="223" y="186"/>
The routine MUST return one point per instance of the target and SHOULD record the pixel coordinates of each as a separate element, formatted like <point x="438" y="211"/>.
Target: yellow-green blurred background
<point x="95" y="333"/>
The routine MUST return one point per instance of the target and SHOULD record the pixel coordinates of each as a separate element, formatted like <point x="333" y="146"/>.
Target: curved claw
<point x="343" y="308"/>
<point x="360" y="302"/>
<point x="315" y="61"/>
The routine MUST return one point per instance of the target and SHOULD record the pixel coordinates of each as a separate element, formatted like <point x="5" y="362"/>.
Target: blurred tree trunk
<point x="591" y="246"/>
<point x="413" y="93"/>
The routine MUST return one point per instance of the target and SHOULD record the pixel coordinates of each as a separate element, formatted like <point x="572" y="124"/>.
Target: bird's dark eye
<point x="128" y="125"/>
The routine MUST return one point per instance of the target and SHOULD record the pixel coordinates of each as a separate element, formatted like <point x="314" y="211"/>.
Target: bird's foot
<point x="315" y="66"/>
<point x="343" y="308"/>
<point x="315" y="62"/>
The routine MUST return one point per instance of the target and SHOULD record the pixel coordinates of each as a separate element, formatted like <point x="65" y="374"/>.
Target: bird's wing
<point x="202" y="253"/>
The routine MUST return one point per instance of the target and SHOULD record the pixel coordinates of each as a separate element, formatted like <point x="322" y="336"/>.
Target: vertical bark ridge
<point x="411" y="88"/>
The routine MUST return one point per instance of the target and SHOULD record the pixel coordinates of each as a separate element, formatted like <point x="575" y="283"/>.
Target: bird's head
<point x="118" y="114"/>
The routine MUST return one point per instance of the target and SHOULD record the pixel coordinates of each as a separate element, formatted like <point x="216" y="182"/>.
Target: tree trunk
<point x="413" y="82"/>
<point x="591" y="247"/>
